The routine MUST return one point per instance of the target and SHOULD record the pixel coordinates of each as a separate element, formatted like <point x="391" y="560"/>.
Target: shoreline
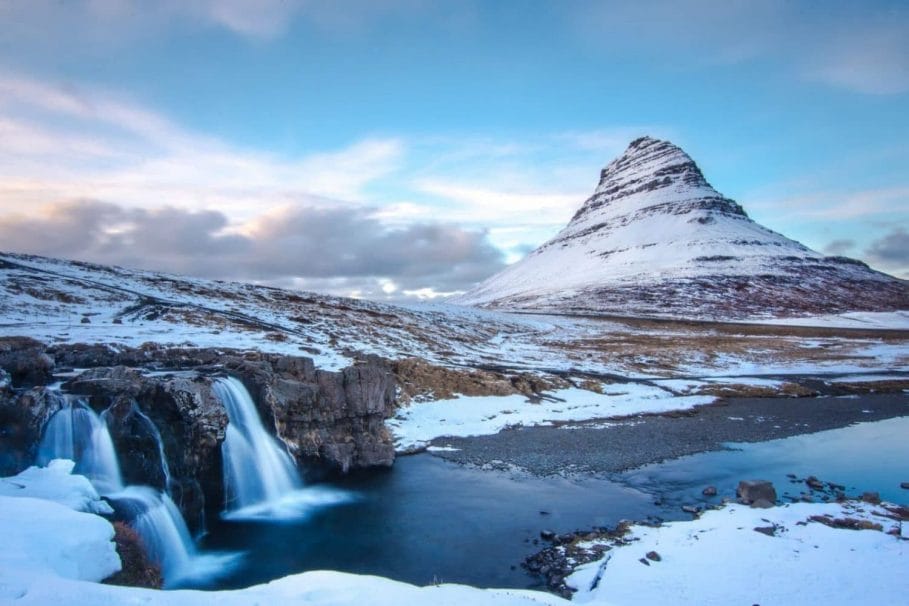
<point x="599" y="447"/>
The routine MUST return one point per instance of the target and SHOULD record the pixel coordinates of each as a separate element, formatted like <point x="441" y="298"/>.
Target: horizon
<point x="405" y="149"/>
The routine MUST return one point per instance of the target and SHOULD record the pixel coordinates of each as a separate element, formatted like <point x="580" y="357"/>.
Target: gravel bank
<point x="619" y="445"/>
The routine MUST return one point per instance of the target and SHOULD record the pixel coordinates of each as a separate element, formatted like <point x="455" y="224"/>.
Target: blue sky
<point x="394" y="148"/>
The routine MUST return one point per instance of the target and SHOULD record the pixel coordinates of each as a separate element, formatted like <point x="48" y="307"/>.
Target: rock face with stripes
<point x="655" y="239"/>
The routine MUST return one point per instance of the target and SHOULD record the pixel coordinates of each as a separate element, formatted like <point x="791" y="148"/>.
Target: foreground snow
<point x="465" y="416"/>
<point x="720" y="559"/>
<point x="56" y="483"/>
<point x="55" y="555"/>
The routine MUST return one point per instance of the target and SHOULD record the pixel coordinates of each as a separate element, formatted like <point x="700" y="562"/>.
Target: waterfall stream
<point x="75" y="432"/>
<point x="260" y="478"/>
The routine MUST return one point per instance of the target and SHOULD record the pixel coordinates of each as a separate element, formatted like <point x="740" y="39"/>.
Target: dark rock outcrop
<point x="23" y="415"/>
<point x="329" y="420"/>
<point x="26" y="361"/>
<point x="335" y="419"/>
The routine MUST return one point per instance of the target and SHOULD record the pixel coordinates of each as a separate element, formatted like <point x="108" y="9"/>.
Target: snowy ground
<point x="721" y="559"/>
<point x="65" y="302"/>
<point x="55" y="555"/>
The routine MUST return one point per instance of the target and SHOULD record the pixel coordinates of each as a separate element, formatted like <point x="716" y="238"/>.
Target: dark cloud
<point x="338" y="250"/>
<point x="839" y="247"/>
<point x="892" y="249"/>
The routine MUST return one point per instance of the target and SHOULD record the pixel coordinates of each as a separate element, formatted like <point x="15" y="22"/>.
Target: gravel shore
<point x="618" y="445"/>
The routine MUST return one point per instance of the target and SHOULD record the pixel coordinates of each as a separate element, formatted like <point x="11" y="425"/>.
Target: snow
<point x="889" y="320"/>
<point x="720" y="559"/>
<point x="465" y="416"/>
<point x="868" y="378"/>
<point x="46" y="539"/>
<point x="56" y="483"/>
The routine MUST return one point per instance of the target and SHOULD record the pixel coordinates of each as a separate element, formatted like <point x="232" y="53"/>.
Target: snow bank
<point x="720" y="559"/>
<point x="56" y="483"/>
<point x="485" y="415"/>
<point x="46" y="539"/>
<point x="890" y="320"/>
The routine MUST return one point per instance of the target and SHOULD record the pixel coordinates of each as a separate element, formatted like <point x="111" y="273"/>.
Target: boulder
<point x="757" y="493"/>
<point x="22" y="419"/>
<point x="26" y="361"/>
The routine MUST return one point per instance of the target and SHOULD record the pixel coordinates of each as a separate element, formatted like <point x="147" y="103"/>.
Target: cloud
<point x="837" y="205"/>
<point x="873" y="60"/>
<point x="65" y="142"/>
<point x="839" y="247"/>
<point x="891" y="249"/>
<point x="344" y="250"/>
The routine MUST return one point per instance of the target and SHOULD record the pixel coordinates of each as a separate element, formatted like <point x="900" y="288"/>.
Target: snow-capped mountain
<point x="656" y="239"/>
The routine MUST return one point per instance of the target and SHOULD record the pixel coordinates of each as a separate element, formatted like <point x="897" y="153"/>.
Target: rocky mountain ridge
<point x="655" y="239"/>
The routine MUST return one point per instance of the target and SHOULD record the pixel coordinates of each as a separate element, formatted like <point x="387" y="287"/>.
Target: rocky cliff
<point x="159" y="401"/>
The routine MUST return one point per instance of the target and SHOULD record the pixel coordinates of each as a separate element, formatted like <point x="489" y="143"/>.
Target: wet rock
<point x="813" y="483"/>
<point x="26" y="361"/>
<point x="22" y="418"/>
<point x="750" y="492"/>
<point x="691" y="509"/>
<point x="330" y="420"/>
<point x="137" y="570"/>
<point x="871" y="497"/>
<point x="547" y="535"/>
<point x="904" y="485"/>
<point x="710" y="491"/>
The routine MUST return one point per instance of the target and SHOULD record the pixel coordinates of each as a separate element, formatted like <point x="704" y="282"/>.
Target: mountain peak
<point x="653" y="176"/>
<point x="655" y="238"/>
<point x="651" y="162"/>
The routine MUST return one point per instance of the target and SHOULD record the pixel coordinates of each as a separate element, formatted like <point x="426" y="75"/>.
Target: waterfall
<point x="165" y="468"/>
<point x="75" y="432"/>
<point x="261" y="480"/>
<point x="257" y="469"/>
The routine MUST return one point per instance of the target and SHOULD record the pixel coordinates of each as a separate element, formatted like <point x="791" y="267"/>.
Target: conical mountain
<point x="656" y="239"/>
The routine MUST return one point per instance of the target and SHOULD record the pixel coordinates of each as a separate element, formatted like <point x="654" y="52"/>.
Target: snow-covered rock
<point x="56" y="483"/>
<point x="656" y="239"/>
<point x="722" y="558"/>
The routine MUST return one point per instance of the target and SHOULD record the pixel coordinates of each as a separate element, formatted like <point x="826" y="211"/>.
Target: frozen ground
<point x="722" y="559"/>
<point x="55" y="555"/>
<point x="67" y="302"/>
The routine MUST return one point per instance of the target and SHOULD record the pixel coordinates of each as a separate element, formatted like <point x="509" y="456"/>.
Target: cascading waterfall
<point x="257" y="469"/>
<point x="165" y="468"/>
<point x="75" y="432"/>
<point x="261" y="480"/>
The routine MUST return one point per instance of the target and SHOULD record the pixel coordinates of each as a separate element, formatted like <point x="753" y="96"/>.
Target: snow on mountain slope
<point x="656" y="239"/>
<point x="58" y="301"/>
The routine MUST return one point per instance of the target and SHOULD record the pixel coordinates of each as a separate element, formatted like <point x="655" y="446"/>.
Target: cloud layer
<point x="347" y="250"/>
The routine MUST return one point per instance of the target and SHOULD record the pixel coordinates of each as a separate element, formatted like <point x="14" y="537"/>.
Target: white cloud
<point x="63" y="143"/>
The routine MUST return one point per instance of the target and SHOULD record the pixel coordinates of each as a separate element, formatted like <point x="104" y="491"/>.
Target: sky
<point x="400" y="149"/>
